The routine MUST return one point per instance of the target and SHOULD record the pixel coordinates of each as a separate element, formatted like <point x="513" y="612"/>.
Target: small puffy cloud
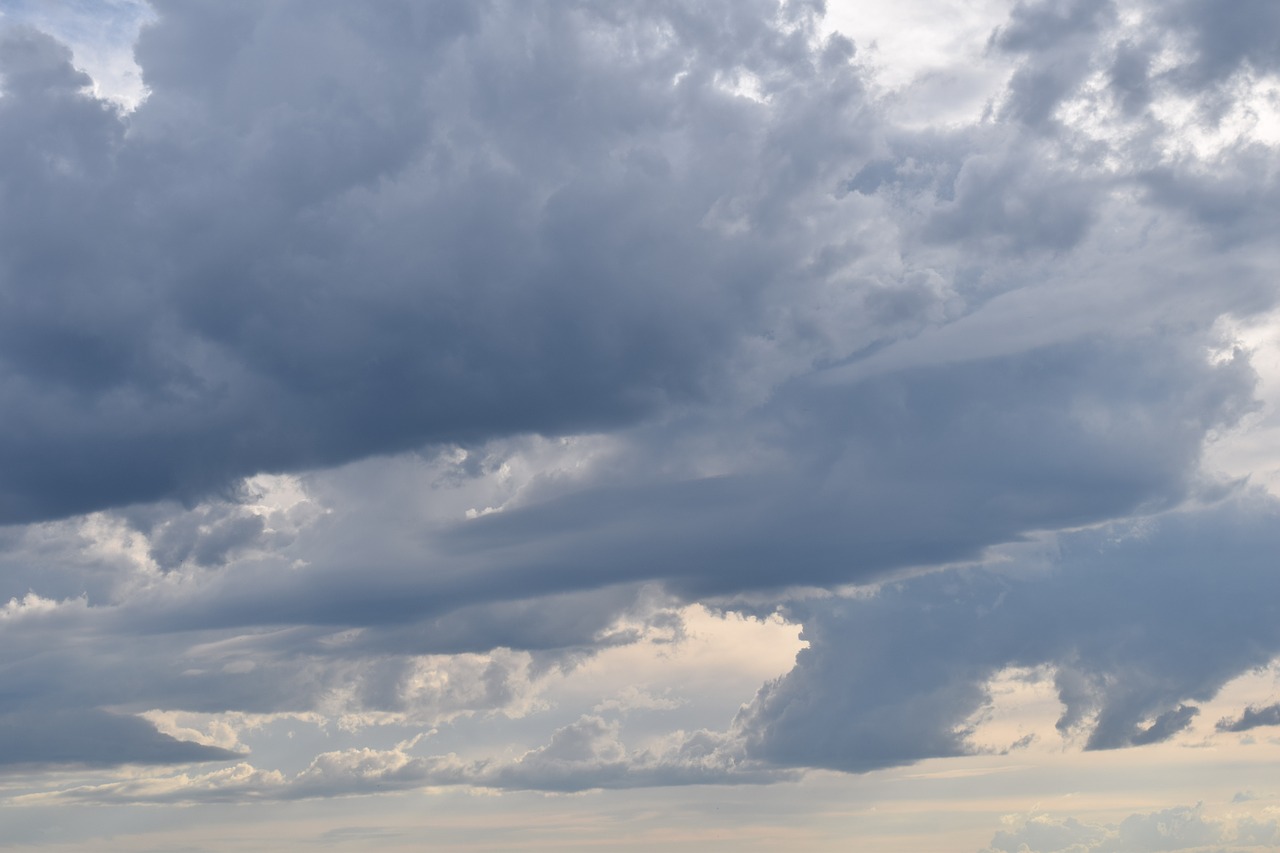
<point x="1252" y="718"/>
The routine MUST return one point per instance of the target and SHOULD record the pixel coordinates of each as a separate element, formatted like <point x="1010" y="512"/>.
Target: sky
<point x="702" y="425"/>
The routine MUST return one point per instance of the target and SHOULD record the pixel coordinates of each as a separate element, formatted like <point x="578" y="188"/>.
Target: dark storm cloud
<point x="331" y="232"/>
<point x="1137" y="624"/>
<point x="823" y="349"/>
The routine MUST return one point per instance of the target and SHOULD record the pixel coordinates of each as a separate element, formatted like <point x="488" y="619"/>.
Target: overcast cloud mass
<point x="464" y="395"/>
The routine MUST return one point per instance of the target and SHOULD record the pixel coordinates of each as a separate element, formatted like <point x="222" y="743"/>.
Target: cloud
<point x="583" y="755"/>
<point x="37" y="738"/>
<point x="1252" y="718"/>
<point x="838" y="483"/>
<point x="339" y="673"/>
<point x="1225" y="39"/>
<point x="1136" y="624"/>
<point x="1179" y="828"/>
<point x="1057" y="39"/>
<point x="330" y="235"/>
<point x="279" y="268"/>
<point x="1165" y="726"/>
<point x="563" y="316"/>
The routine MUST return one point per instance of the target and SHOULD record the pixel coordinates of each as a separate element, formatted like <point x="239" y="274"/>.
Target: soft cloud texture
<point x="340" y="233"/>
<point x="385" y="369"/>
<point x="898" y="674"/>
<point x="1179" y="828"/>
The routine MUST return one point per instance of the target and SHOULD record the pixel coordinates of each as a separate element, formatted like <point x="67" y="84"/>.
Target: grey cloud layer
<point x="824" y="348"/>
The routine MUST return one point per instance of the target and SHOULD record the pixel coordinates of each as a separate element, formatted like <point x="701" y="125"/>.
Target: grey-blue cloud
<point x="90" y="737"/>
<point x="1252" y="718"/>
<point x="335" y="232"/>
<point x="1137" y="624"/>
<point x="329" y="233"/>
